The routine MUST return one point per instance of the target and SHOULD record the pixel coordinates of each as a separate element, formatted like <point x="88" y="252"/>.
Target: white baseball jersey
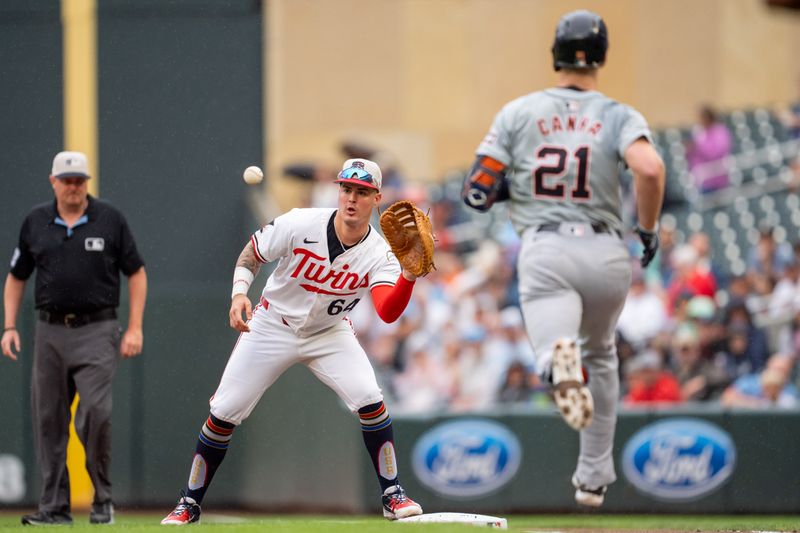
<point x="564" y="149"/>
<point x="300" y="318"/>
<point x="308" y="290"/>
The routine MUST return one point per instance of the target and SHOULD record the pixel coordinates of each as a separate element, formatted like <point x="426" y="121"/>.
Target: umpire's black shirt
<point x="78" y="267"/>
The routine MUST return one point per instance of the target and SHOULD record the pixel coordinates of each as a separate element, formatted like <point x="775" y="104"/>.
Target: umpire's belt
<point x="76" y="320"/>
<point x="597" y="227"/>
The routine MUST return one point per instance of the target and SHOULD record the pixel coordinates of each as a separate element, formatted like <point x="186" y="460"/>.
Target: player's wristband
<point x="242" y="279"/>
<point x="653" y="231"/>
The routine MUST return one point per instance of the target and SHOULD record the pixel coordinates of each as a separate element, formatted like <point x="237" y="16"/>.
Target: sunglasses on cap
<point x="356" y="173"/>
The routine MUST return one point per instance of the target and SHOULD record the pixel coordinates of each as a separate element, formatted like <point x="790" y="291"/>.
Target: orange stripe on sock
<point x="374" y="414"/>
<point x="216" y="429"/>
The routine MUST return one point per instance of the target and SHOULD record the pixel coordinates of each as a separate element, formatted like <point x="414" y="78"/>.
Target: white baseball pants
<point x="271" y="347"/>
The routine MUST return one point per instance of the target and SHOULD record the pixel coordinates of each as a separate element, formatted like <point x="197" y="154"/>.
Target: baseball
<point x="252" y="175"/>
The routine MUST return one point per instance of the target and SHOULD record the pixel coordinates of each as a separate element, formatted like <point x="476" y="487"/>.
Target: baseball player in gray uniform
<point x="555" y="155"/>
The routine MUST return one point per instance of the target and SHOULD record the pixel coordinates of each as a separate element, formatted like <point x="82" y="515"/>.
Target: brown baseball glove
<point x="410" y="234"/>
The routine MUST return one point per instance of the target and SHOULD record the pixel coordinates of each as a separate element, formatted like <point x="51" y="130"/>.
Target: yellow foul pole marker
<point x="79" y="25"/>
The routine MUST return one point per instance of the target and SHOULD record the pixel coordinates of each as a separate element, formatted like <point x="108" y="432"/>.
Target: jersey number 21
<point x="548" y="178"/>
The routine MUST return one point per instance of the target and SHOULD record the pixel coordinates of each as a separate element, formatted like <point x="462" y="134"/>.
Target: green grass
<point x="234" y="523"/>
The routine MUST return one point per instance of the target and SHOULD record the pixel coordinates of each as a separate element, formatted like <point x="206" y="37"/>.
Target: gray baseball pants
<point x="66" y="361"/>
<point x="573" y="283"/>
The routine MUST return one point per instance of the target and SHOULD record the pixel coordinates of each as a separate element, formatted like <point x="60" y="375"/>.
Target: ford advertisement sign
<point x="679" y="459"/>
<point x="466" y="458"/>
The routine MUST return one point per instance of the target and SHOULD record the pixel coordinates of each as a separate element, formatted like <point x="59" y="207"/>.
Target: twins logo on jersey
<point x="314" y="268"/>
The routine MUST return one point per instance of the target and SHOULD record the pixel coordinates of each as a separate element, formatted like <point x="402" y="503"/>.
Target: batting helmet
<point x="581" y="41"/>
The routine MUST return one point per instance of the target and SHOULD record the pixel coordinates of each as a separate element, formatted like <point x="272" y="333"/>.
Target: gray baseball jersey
<point x="564" y="149"/>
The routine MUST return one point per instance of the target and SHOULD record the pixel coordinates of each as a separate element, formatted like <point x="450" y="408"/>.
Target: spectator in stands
<point x="517" y="386"/>
<point x="509" y="340"/>
<point x="680" y="309"/>
<point x="766" y="262"/>
<point x="711" y="143"/>
<point x="699" y="378"/>
<point x="735" y="358"/>
<point x="739" y="288"/>
<point x="701" y="242"/>
<point x="662" y="264"/>
<point x="703" y="316"/>
<point x="789" y="336"/>
<point x="737" y="316"/>
<point x="446" y="213"/>
<point x="625" y="352"/>
<point x="643" y="314"/>
<point x="688" y="276"/>
<point x="782" y="300"/>
<point x="769" y="388"/>
<point x="425" y="384"/>
<point x="649" y="383"/>
<point x="478" y="377"/>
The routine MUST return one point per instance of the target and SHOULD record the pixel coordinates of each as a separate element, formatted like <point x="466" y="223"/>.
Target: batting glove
<point x="650" y="242"/>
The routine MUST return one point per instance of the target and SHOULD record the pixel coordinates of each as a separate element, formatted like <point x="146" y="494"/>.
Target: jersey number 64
<point x="341" y="306"/>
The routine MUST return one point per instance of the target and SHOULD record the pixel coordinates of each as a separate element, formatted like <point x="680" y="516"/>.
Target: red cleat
<point x="397" y="505"/>
<point x="186" y="512"/>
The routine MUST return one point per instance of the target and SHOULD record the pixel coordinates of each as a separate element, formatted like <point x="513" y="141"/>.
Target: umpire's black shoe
<point x="102" y="513"/>
<point x="46" y="518"/>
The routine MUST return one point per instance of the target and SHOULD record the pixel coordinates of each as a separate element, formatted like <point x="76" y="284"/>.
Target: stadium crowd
<point x="685" y="334"/>
<point x="690" y="331"/>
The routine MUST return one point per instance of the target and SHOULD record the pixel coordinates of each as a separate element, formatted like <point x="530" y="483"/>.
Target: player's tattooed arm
<point x="247" y="266"/>
<point x="247" y="259"/>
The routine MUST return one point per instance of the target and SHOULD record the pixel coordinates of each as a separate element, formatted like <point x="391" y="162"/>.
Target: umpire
<point x="78" y="245"/>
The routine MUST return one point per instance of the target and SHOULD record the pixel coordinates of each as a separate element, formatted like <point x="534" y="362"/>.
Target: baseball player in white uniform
<point x="556" y="156"/>
<point x="328" y="260"/>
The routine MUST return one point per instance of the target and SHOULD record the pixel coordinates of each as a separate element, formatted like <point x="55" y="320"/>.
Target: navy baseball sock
<point x="376" y="427"/>
<point x="212" y="444"/>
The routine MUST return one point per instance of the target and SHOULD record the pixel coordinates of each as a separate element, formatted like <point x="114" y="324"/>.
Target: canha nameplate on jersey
<point x="570" y="123"/>
<point x="326" y="280"/>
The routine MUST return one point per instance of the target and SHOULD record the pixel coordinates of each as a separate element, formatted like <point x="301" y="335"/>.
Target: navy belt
<point x="76" y="320"/>
<point x="598" y="227"/>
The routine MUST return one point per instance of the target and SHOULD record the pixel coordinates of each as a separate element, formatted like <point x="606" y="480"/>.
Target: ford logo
<point x="466" y="458"/>
<point x="679" y="459"/>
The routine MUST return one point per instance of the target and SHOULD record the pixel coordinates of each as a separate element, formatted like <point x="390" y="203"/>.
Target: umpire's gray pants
<point x="573" y="284"/>
<point x="66" y="361"/>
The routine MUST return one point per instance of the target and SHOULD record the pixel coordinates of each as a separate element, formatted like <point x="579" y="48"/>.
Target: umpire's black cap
<point x="581" y="41"/>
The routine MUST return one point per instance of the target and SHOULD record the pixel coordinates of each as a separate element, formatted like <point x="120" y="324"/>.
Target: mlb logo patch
<point x="94" y="244"/>
<point x="490" y="138"/>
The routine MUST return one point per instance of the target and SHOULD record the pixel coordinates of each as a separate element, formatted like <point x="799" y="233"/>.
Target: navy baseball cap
<point x="70" y="165"/>
<point x="361" y="172"/>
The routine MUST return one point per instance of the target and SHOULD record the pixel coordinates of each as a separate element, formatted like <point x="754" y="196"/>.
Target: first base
<point x="461" y="518"/>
